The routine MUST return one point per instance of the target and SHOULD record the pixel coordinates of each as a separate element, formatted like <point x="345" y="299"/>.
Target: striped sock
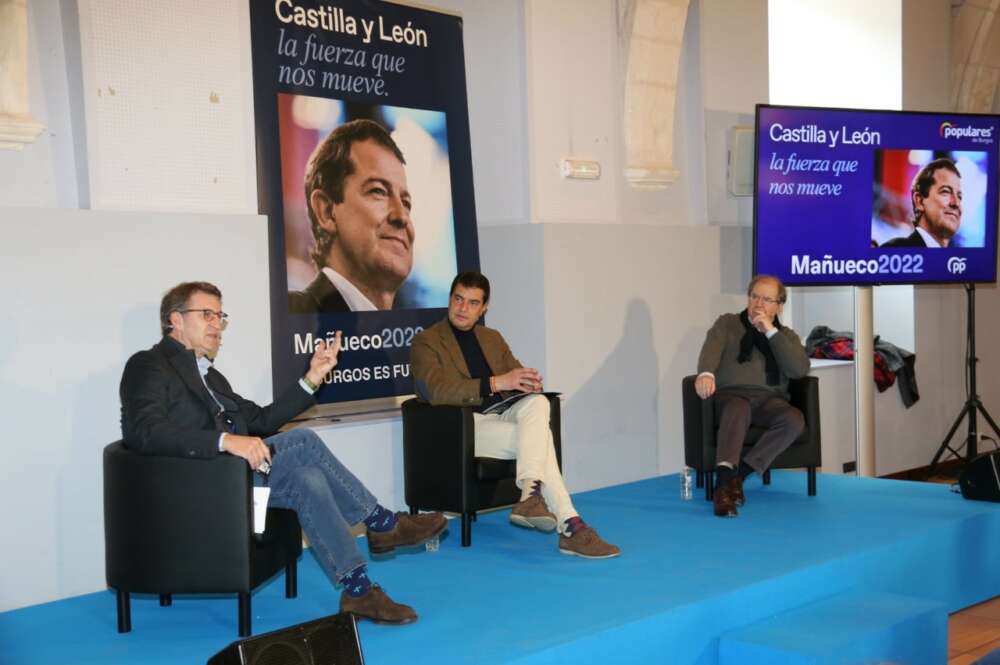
<point x="357" y="583"/>
<point x="572" y="525"/>
<point x="531" y="488"/>
<point x="381" y="519"/>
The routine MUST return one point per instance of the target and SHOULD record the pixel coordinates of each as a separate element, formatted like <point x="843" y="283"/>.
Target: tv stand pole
<point x="864" y="387"/>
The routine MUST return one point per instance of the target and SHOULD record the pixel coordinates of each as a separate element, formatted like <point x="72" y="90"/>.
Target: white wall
<point x="846" y="54"/>
<point x="168" y="130"/>
<point x="574" y="103"/>
<point x="622" y="333"/>
<point x="495" y="79"/>
<point x="734" y="80"/>
<point x="608" y="290"/>
<point x="82" y="295"/>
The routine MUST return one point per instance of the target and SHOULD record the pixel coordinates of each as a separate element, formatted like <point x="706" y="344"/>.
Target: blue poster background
<point x="817" y="207"/>
<point x="365" y="54"/>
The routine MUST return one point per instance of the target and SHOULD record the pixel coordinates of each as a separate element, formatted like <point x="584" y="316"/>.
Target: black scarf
<point x="755" y="338"/>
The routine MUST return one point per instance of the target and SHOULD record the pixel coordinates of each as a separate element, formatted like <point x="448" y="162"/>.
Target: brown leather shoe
<point x="736" y="489"/>
<point x="724" y="502"/>
<point x="377" y="606"/>
<point x="588" y="544"/>
<point x="532" y="513"/>
<point x="410" y="531"/>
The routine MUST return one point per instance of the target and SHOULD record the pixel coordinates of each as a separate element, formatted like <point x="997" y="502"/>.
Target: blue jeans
<point x="328" y="499"/>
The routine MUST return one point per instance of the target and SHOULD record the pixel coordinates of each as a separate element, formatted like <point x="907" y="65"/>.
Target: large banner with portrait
<point x="364" y="171"/>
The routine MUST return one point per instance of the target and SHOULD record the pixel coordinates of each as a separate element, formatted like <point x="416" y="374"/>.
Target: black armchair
<point x="440" y="467"/>
<point x="174" y="525"/>
<point x="700" y="426"/>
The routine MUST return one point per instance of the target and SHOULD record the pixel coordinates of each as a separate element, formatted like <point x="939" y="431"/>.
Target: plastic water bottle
<point x="433" y="544"/>
<point x="687" y="483"/>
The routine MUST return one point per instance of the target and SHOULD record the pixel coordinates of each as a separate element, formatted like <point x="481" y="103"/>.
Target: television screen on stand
<point x="862" y="197"/>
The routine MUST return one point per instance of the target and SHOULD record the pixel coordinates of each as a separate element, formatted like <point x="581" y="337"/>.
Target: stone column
<point x="975" y="56"/>
<point x="652" y="32"/>
<point x="17" y="126"/>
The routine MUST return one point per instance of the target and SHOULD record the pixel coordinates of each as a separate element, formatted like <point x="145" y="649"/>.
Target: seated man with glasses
<point x="746" y="361"/>
<point x="175" y="403"/>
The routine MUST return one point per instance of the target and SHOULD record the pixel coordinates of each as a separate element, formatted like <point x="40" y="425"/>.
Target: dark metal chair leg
<point x="709" y="485"/>
<point x="165" y="600"/>
<point x="414" y="510"/>
<point x="766" y="477"/>
<point x="292" y="579"/>
<point x="466" y="529"/>
<point x="124" y="612"/>
<point x="244" y="610"/>
<point x="811" y="474"/>
<point x="700" y="479"/>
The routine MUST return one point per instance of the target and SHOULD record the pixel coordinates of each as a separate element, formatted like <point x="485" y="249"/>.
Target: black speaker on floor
<point x="981" y="478"/>
<point x="332" y="640"/>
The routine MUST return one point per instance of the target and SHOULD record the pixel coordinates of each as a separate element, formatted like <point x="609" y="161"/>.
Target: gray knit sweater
<point x="722" y="346"/>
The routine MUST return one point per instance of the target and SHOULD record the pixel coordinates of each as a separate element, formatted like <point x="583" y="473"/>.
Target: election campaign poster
<point x="875" y="197"/>
<point x="365" y="174"/>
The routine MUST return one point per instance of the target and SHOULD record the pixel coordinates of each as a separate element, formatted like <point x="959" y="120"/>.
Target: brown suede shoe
<point x="532" y="513"/>
<point x="377" y="606"/>
<point x="410" y="531"/>
<point x="588" y="544"/>
<point x="736" y="489"/>
<point x="724" y="502"/>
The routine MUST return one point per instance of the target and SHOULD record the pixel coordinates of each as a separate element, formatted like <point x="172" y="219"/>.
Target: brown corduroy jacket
<point x="440" y="375"/>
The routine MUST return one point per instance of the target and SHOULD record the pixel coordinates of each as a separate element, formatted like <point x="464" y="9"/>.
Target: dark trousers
<point x="736" y="410"/>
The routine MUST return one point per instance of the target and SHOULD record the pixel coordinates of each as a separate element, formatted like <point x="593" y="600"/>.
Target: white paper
<point x="260" y="496"/>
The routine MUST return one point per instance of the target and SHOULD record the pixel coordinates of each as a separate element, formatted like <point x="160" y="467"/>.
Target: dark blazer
<point x="912" y="240"/>
<point x="440" y="374"/>
<point x="166" y="409"/>
<point x="320" y="296"/>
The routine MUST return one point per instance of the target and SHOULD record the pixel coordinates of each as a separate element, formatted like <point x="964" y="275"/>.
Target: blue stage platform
<point x="686" y="583"/>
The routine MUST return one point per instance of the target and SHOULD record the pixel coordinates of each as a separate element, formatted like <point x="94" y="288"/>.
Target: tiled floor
<point x="974" y="632"/>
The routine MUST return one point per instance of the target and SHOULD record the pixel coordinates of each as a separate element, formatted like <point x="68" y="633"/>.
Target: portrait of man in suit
<point x="359" y="207"/>
<point x="936" y="197"/>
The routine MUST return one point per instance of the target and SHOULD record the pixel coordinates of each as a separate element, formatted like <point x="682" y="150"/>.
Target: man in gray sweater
<point x="746" y="361"/>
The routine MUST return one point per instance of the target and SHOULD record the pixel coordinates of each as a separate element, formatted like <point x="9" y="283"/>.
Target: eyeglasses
<point x="210" y="316"/>
<point x="764" y="299"/>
